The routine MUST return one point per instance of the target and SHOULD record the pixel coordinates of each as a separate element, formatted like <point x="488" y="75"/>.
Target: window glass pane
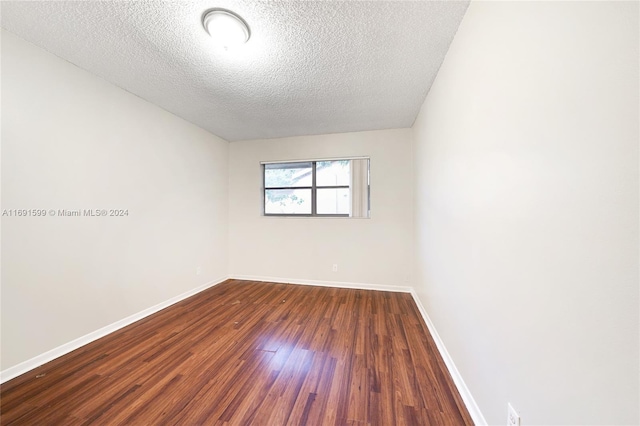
<point x="287" y="201"/>
<point x="333" y="201"/>
<point x="287" y="175"/>
<point x="333" y="173"/>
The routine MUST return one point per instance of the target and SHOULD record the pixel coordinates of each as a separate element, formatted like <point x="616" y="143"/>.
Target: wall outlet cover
<point x="513" y="419"/>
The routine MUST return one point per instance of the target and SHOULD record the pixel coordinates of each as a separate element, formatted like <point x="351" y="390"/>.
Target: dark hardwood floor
<point x="251" y="353"/>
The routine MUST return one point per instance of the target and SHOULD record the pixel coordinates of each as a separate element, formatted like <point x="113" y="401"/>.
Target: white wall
<point x="367" y="251"/>
<point x="526" y="209"/>
<point x="73" y="141"/>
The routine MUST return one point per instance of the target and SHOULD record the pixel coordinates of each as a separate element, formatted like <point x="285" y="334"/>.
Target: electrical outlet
<point x="334" y="268"/>
<point x="513" y="419"/>
<point x="198" y="270"/>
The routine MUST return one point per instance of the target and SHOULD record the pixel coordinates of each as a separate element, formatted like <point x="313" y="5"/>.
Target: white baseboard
<point x="469" y="402"/>
<point x="467" y="398"/>
<point x="338" y="284"/>
<point x="37" y="361"/>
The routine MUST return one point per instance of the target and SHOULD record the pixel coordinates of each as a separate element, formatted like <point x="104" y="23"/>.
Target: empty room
<point x="272" y="213"/>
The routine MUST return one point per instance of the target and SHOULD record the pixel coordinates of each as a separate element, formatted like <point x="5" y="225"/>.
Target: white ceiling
<point x="310" y="67"/>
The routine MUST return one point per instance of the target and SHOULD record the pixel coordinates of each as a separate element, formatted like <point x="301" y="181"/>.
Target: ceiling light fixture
<point x="226" y="28"/>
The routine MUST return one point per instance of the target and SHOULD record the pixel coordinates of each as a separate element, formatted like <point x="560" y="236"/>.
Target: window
<point x="317" y="188"/>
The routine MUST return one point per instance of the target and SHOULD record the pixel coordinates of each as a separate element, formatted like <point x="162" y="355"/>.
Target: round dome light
<point x="226" y="27"/>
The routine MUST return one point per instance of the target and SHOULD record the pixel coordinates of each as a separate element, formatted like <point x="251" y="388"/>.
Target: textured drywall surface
<point x="309" y="68"/>
<point x="73" y="141"/>
<point x="526" y="210"/>
<point x="367" y="251"/>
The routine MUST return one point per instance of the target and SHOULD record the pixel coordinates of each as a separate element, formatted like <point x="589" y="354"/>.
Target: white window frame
<point x="313" y="187"/>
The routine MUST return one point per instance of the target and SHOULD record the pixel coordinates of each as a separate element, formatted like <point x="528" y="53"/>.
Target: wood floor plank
<point x="246" y="353"/>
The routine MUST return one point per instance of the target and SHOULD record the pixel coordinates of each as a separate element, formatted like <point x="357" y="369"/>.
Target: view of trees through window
<point x="308" y="188"/>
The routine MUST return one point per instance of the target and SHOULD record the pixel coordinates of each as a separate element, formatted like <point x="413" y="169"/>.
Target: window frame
<point x="314" y="187"/>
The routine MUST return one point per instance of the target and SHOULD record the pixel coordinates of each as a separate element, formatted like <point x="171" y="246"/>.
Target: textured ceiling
<point x="310" y="67"/>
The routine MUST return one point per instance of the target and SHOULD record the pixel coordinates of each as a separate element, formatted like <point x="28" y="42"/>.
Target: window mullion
<point x="313" y="189"/>
<point x="293" y="199"/>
